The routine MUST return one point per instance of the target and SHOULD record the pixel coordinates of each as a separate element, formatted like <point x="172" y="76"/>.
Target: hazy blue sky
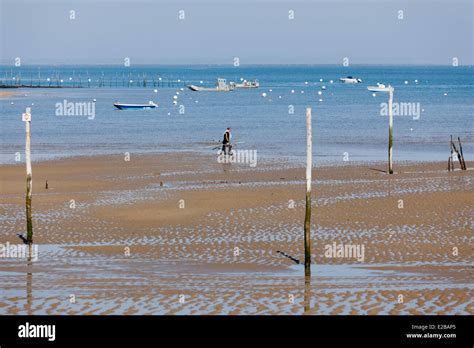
<point x="260" y="31"/>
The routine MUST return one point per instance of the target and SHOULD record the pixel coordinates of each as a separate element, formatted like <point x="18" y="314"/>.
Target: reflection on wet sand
<point x="29" y="282"/>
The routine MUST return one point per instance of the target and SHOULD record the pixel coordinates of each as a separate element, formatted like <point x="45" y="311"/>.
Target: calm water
<point x="346" y="120"/>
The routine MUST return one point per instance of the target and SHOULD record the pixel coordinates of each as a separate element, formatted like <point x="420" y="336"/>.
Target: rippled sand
<point x="182" y="234"/>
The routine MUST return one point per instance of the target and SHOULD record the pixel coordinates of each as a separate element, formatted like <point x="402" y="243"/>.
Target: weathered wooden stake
<point x="462" y="155"/>
<point x="390" y="129"/>
<point x="451" y="156"/>
<point x="29" y="179"/>
<point x="307" y="218"/>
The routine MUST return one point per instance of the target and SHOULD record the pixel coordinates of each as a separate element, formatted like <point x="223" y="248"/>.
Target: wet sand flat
<point x="182" y="234"/>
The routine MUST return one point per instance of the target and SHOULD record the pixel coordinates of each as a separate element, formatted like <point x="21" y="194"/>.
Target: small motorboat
<point x="350" y="79"/>
<point x="221" y="86"/>
<point x="379" y="88"/>
<point x="122" y="106"/>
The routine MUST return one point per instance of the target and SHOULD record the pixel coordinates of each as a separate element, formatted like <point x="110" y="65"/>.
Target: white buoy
<point x="373" y="94"/>
<point x="302" y="92"/>
<point x="319" y="92"/>
<point x="155" y="90"/>
<point x="197" y="101"/>
<point x="411" y="129"/>
<point x="270" y="90"/>
<point x="416" y="81"/>
<point x="169" y="113"/>
<point x="279" y="97"/>
<point x="292" y="91"/>
<point x="201" y="82"/>
<point x="181" y="89"/>
<point x="331" y="81"/>
<point x="12" y="103"/>
<point x="324" y="87"/>
<point x="445" y="94"/>
<point x="320" y="100"/>
<point x="175" y="97"/>
<point x="406" y="82"/>
<point x="306" y="82"/>
<point x="321" y="80"/>
<point x="175" y="102"/>
<point x="94" y="100"/>
<point x="177" y="93"/>
<point x="264" y="94"/>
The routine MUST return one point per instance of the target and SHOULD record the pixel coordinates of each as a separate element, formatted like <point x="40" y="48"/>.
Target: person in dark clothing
<point x="226" y="146"/>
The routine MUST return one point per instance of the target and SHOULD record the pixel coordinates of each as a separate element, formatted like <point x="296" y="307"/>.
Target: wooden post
<point x="29" y="179"/>
<point x="307" y="218"/>
<point x="462" y="155"/>
<point x="451" y="149"/>
<point x="390" y="129"/>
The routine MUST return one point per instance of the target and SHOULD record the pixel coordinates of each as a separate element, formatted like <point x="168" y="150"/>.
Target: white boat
<point x="379" y="88"/>
<point x="350" y="79"/>
<point x="221" y="86"/>
<point x="247" y="84"/>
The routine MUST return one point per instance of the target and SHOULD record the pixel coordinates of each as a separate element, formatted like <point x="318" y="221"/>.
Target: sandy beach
<point x="179" y="233"/>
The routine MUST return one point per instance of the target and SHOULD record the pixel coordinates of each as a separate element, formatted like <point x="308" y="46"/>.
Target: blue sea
<point x="347" y="120"/>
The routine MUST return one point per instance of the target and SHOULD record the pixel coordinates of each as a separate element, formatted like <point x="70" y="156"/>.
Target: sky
<point x="218" y="31"/>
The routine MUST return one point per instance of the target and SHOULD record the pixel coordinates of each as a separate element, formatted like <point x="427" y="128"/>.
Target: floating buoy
<point x="201" y="82"/>
<point x="270" y="90"/>
<point x="324" y="87"/>
<point x="264" y="94"/>
<point x="94" y="100"/>
<point x="155" y="90"/>
<point x="302" y="92"/>
<point x="406" y="82"/>
<point x="175" y="97"/>
<point x="416" y="81"/>
<point x="331" y="81"/>
<point x="306" y="82"/>
<point x="319" y="92"/>
<point x="279" y="97"/>
<point x="445" y="94"/>
<point x="321" y="80"/>
<point x="320" y="100"/>
<point x="374" y="94"/>
<point x="292" y="91"/>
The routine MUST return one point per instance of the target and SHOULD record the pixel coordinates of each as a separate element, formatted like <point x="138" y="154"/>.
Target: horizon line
<point x="231" y="65"/>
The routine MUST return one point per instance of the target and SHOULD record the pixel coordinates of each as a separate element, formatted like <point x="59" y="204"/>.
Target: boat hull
<point x="134" y="106"/>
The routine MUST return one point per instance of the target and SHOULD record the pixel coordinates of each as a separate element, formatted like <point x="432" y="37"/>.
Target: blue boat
<point x="122" y="106"/>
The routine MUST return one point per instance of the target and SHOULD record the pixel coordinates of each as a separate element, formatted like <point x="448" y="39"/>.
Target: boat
<point x="122" y="106"/>
<point x="379" y="88"/>
<point x="221" y="86"/>
<point x="350" y="79"/>
<point x="247" y="84"/>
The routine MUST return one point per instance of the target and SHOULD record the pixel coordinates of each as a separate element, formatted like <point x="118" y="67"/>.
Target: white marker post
<point x="307" y="219"/>
<point x="29" y="180"/>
